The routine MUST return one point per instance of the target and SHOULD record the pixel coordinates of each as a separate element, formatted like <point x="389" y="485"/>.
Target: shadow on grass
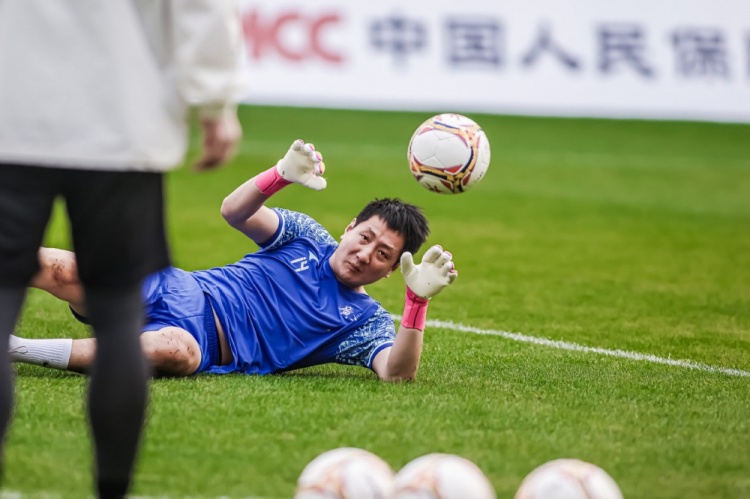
<point x="332" y="372"/>
<point x="316" y="374"/>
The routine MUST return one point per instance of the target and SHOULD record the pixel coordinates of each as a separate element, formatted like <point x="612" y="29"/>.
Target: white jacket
<point x="108" y="84"/>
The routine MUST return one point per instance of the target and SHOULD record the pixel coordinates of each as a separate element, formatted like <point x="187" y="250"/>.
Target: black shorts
<point x="116" y="219"/>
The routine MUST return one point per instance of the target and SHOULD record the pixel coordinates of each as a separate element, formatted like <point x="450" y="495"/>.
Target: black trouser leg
<point x="118" y="391"/>
<point x="11" y="300"/>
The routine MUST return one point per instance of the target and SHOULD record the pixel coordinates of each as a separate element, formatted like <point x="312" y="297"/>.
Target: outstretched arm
<point x="244" y="208"/>
<point x="423" y="281"/>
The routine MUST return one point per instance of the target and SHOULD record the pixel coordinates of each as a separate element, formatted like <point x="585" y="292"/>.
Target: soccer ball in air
<point x="345" y="473"/>
<point x="449" y="153"/>
<point x="568" y="479"/>
<point x="442" y="476"/>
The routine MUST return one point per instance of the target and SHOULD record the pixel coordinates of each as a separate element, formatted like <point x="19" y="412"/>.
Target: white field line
<point x="564" y="345"/>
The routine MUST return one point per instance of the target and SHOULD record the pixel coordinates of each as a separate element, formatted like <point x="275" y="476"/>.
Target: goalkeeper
<point x="296" y="302"/>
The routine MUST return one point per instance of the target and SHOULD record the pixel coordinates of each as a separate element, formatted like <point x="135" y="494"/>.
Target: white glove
<point x="433" y="274"/>
<point x="303" y="165"/>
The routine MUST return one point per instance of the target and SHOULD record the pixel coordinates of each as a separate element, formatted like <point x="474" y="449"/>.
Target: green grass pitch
<point x="620" y="235"/>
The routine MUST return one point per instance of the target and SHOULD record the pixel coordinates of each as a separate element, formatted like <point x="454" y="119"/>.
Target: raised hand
<point x="303" y="165"/>
<point x="432" y="275"/>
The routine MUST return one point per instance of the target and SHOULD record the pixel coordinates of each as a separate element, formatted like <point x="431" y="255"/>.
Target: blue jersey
<point x="282" y="307"/>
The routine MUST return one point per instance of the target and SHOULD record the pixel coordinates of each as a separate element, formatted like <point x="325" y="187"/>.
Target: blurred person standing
<point x="94" y="104"/>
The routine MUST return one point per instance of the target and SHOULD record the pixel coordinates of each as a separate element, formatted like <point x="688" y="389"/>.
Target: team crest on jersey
<point x="348" y="313"/>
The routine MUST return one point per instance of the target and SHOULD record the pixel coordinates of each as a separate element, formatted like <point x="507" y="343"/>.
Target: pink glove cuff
<point x="270" y="182"/>
<point x="415" y="311"/>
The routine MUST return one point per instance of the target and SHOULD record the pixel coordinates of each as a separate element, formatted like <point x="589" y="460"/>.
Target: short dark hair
<point x="404" y="218"/>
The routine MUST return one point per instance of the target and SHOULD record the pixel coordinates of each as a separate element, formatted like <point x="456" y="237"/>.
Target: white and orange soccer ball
<point x="568" y="479"/>
<point x="442" y="476"/>
<point x="449" y="154"/>
<point x="345" y="473"/>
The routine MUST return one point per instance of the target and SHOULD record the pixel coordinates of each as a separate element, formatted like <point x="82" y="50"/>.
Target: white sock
<point x="45" y="353"/>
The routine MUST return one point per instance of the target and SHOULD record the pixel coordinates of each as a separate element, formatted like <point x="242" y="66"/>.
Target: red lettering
<point x="276" y="31"/>
<point x="316" y="27"/>
<point x="270" y="37"/>
<point x="255" y="39"/>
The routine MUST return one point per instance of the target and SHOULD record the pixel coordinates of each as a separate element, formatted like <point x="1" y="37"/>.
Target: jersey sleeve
<point x="293" y="224"/>
<point x="207" y="53"/>
<point x="361" y="347"/>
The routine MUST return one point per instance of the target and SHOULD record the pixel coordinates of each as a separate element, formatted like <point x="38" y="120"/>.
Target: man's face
<point x="368" y="252"/>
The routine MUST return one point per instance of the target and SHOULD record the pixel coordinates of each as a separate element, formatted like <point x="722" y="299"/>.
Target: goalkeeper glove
<point x="302" y="165"/>
<point x="423" y="281"/>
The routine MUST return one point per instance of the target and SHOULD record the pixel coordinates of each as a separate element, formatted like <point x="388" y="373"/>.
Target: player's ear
<point x="351" y="225"/>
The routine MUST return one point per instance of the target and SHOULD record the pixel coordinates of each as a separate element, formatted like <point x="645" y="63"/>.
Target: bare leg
<point x="171" y="351"/>
<point x="82" y="355"/>
<point x="58" y="275"/>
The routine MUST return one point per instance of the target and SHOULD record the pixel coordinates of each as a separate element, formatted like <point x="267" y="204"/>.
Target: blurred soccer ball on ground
<point x="568" y="479"/>
<point x="442" y="476"/>
<point x="449" y="154"/>
<point x="345" y="473"/>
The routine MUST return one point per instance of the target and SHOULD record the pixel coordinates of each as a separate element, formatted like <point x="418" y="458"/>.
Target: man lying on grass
<point x="296" y="302"/>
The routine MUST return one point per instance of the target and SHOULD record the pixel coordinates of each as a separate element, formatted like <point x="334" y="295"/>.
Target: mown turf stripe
<point x="564" y="345"/>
